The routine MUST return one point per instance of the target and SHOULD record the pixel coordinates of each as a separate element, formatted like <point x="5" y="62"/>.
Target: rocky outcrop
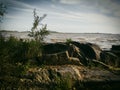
<point x="62" y="53"/>
<point x="109" y="58"/>
<point x="91" y="51"/>
<point x="64" y="64"/>
<point x="96" y="49"/>
<point x="51" y="48"/>
<point x="115" y="47"/>
<point x="116" y="50"/>
<point x="51" y="75"/>
<point x="79" y="54"/>
<point x="60" y="58"/>
<point x="112" y="56"/>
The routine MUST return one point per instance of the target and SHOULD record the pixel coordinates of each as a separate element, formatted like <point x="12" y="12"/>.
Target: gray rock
<point x="50" y="74"/>
<point x="110" y="58"/>
<point x="56" y="58"/>
<point x="60" y="53"/>
<point x="115" y="47"/>
<point x="91" y="51"/>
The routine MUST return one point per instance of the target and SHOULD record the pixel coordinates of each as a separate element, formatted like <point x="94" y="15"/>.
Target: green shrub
<point x="68" y="41"/>
<point x="38" y="34"/>
<point x="14" y="59"/>
<point x="62" y="84"/>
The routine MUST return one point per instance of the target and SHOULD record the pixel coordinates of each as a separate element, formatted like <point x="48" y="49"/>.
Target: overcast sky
<point x="91" y="16"/>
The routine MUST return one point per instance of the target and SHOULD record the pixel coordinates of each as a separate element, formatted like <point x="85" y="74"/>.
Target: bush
<point x="14" y="59"/>
<point x="68" y="41"/>
<point x="38" y="34"/>
<point x="62" y="84"/>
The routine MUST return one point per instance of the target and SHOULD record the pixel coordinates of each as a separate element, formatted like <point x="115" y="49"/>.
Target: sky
<point x="74" y="16"/>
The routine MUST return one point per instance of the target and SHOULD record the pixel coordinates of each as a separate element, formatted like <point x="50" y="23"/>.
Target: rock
<point x="74" y="61"/>
<point x="75" y="52"/>
<point x="110" y="58"/>
<point x="117" y="53"/>
<point x="52" y="48"/>
<point x="42" y="76"/>
<point x="85" y="49"/>
<point x="56" y="58"/>
<point x="115" y="47"/>
<point x="91" y="51"/>
<point x="55" y="53"/>
<point x="70" y="72"/>
<point x="96" y="49"/>
<point x="50" y="74"/>
<point x="61" y="58"/>
<point x="60" y="53"/>
<point x="116" y="50"/>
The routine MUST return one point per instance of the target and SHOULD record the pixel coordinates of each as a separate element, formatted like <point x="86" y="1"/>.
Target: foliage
<point x="15" y="56"/>
<point x="68" y="41"/>
<point x="62" y="83"/>
<point x="38" y="33"/>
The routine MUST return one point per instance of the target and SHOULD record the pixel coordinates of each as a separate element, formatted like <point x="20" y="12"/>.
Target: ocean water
<point x="105" y="41"/>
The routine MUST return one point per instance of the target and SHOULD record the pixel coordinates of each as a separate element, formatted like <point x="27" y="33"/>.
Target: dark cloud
<point x="116" y="1"/>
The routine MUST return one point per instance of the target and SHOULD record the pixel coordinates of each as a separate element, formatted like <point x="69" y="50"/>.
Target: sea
<point x="105" y="41"/>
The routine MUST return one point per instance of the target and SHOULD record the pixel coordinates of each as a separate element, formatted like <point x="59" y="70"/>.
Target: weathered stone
<point x="59" y="53"/>
<point x="50" y="74"/>
<point x="115" y="47"/>
<point x="56" y="58"/>
<point x="96" y="49"/>
<point x="110" y="58"/>
<point x="52" y="48"/>
<point x="116" y="50"/>
<point x="74" y="61"/>
<point x="75" y="52"/>
<point x="91" y="51"/>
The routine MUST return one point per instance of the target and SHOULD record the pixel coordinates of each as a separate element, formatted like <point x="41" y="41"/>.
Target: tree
<point x="2" y="10"/>
<point x="38" y="33"/>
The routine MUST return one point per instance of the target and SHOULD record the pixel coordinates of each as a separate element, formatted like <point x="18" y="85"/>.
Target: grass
<point x="15" y="56"/>
<point x="65" y="83"/>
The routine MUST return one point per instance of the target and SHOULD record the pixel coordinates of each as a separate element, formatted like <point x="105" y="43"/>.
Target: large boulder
<point x="115" y="47"/>
<point x="74" y="51"/>
<point x="116" y="50"/>
<point x="49" y="76"/>
<point x="110" y="58"/>
<point x="56" y="58"/>
<point x="55" y="53"/>
<point x="59" y="54"/>
<point x="74" y="61"/>
<point x="51" y="48"/>
<point x="91" y="51"/>
<point x="96" y="49"/>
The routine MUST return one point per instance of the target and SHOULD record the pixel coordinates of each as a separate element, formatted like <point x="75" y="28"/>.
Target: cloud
<point x="69" y="1"/>
<point x="17" y="4"/>
<point x="88" y="22"/>
<point x="117" y="13"/>
<point x="86" y="15"/>
<point x="107" y="7"/>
